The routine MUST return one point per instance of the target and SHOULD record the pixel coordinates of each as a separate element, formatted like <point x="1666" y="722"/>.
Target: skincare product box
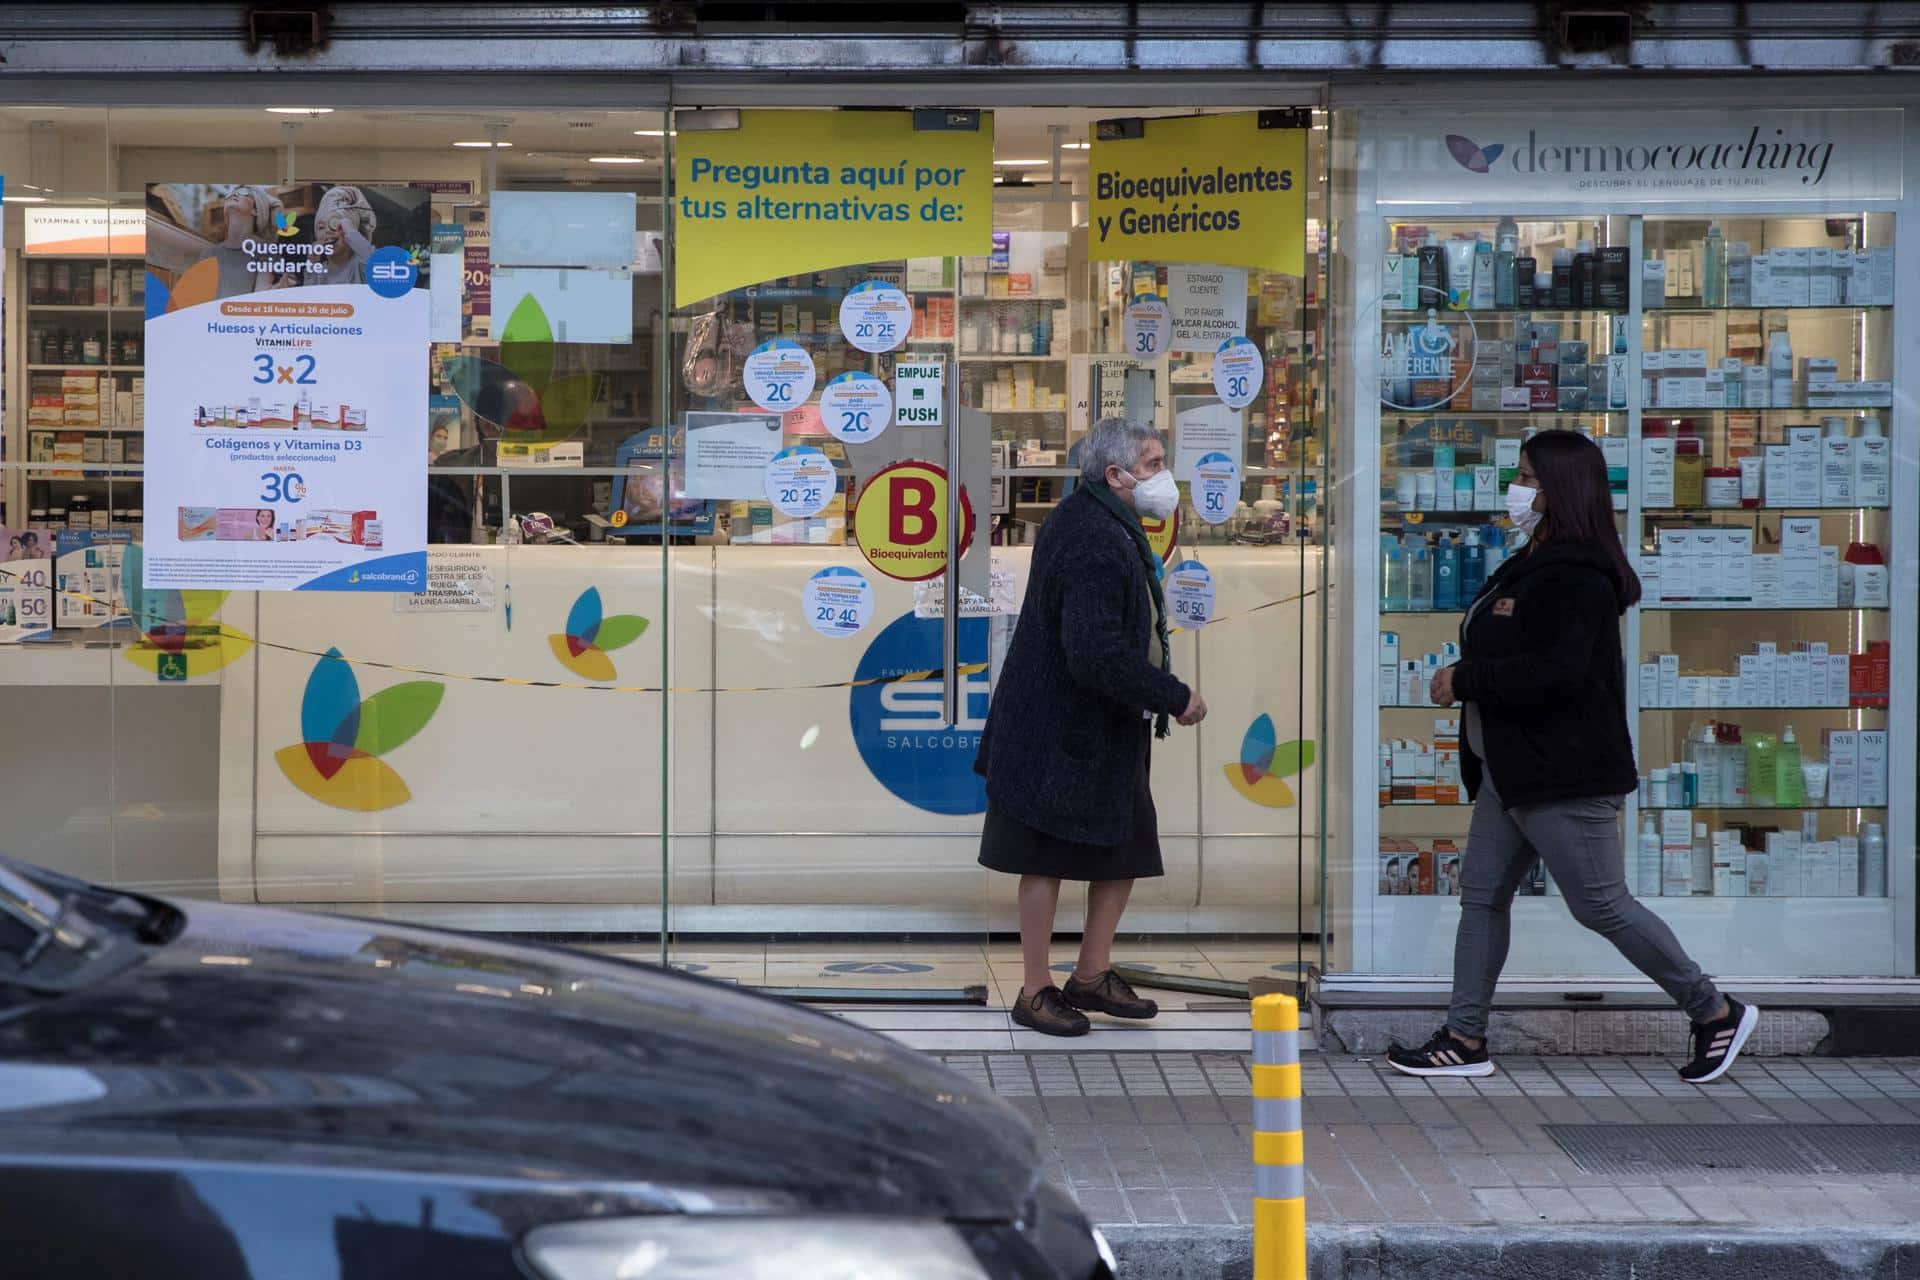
<point x="1843" y="768"/>
<point x="1873" y="768"/>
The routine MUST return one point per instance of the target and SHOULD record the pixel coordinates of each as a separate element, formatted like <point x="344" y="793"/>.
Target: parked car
<point x="212" y="1090"/>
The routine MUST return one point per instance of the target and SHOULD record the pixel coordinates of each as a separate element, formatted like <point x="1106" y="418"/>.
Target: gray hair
<point x="1113" y="442"/>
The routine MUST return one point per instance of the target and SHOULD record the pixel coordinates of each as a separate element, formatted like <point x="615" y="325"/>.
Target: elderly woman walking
<point x="1086" y="686"/>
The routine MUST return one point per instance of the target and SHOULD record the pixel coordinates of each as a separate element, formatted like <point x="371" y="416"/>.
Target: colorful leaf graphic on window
<point x="179" y="623"/>
<point x="590" y="637"/>
<point x="1264" y="762"/>
<point x="337" y="761"/>
<point x="519" y="397"/>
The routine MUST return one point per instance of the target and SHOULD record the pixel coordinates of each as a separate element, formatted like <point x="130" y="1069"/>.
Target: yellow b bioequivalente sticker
<point x="900" y="521"/>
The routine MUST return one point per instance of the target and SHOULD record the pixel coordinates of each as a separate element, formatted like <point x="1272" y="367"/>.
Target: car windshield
<point x="57" y="934"/>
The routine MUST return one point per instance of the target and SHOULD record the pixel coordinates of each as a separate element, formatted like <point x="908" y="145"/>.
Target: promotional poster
<point x="286" y="387"/>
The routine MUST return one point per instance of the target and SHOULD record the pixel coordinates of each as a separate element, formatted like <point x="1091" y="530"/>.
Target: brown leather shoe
<point x="1047" y="1012"/>
<point x="1108" y="994"/>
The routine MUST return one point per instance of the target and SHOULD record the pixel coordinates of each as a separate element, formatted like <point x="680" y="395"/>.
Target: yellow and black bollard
<point x="1279" y="1156"/>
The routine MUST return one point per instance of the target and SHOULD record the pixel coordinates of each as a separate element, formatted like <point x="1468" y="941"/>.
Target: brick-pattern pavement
<point x="1156" y="1138"/>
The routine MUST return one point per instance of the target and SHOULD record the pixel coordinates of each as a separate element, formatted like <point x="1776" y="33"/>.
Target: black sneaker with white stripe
<point x="1717" y="1044"/>
<point x="1441" y="1056"/>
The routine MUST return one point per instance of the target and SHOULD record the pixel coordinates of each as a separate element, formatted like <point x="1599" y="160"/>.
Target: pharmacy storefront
<point x="591" y="519"/>
<point x="1719" y="297"/>
<point x="613" y="521"/>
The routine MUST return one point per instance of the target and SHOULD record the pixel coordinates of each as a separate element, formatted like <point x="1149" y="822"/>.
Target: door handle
<point x="950" y="582"/>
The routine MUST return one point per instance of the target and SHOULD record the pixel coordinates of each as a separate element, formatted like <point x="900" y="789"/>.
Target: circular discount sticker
<point x="875" y="316"/>
<point x="1147" y="328"/>
<point x="856" y="406"/>
<point x="900" y="521"/>
<point x="1216" y="487"/>
<point x="1237" y="371"/>
<point x="800" y="481"/>
<point x="839" y="602"/>
<point x="1190" y="595"/>
<point x="779" y="375"/>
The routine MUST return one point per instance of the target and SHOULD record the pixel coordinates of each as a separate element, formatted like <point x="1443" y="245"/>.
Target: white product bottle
<point x="1836" y="465"/>
<point x="1706" y="757"/>
<point x="1702" y="861"/>
<point x="1873" y="861"/>
<point x="1872" y="466"/>
<point x="1649" y="862"/>
<point x="1780" y="367"/>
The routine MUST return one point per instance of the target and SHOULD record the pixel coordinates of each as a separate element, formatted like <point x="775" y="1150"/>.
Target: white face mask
<point x="1157" y="496"/>
<point x="1520" y="507"/>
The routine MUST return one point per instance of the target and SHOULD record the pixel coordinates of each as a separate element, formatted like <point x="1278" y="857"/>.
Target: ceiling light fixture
<point x="651" y="133"/>
<point x="484" y="145"/>
<point x="1021" y="164"/>
<point x="616" y="159"/>
<point x="301" y="111"/>
<point x="1075" y="146"/>
<point x="23" y="199"/>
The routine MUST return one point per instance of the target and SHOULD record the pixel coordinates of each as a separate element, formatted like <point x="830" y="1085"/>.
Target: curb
<point x="1499" y="1252"/>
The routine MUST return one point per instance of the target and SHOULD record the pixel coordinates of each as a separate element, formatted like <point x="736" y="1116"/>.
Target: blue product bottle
<point x="1473" y="567"/>
<point x="1495" y="553"/>
<point x="1446" y="575"/>
<point x="1420" y="577"/>
<point x="1393" y="574"/>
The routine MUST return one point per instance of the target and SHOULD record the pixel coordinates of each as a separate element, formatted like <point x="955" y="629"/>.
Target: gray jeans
<point x="1580" y="843"/>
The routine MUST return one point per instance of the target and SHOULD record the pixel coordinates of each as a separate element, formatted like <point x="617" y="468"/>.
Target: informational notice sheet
<point x="286" y="388"/>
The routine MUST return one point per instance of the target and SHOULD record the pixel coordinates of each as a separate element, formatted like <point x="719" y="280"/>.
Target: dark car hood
<point x="269" y="1035"/>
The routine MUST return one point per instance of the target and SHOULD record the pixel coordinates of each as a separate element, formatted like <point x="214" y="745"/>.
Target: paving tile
<point x="1105" y="1206"/>
<point x="1528" y="1170"/>
<point x="1606" y="1204"/>
<point x="1659" y="1204"/>
<point x="1506" y="1205"/>
<point x="1153" y="1206"/>
<point x="1206" y="1206"/>
<point x="1711" y="1204"/>
<point x="1556" y="1204"/>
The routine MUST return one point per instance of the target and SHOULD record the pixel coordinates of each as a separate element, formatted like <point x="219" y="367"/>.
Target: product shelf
<point x="1762" y="608"/>
<point x="1696" y="308"/>
<point x="1477" y="314"/>
<point x="1651" y="708"/>
<point x="1667" y="513"/>
<point x="93" y="308"/>
<point x="1657" y="412"/>
<point x="1762" y="808"/>
<point x="1524" y="415"/>
<point x="85" y="368"/>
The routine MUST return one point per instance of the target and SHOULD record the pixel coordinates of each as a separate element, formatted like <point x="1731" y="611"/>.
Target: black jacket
<point x="1060" y="752"/>
<point x="1542" y="659"/>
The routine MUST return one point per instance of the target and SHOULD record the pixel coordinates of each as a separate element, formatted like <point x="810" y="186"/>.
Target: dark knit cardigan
<point x="1061" y="748"/>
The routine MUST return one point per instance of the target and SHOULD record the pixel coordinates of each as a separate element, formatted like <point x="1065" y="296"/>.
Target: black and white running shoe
<point x="1441" y="1056"/>
<point x="1717" y="1044"/>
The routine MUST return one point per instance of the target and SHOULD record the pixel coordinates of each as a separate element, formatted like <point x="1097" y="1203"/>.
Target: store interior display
<point x="1738" y="381"/>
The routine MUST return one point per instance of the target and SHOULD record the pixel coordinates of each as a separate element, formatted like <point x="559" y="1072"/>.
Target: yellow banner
<point x="796" y="191"/>
<point x="1211" y="189"/>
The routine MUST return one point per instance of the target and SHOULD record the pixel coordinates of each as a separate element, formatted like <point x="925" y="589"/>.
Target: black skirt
<point x="1009" y="845"/>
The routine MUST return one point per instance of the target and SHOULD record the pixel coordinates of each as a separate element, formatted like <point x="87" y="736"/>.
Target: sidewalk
<point x="1801" y="1167"/>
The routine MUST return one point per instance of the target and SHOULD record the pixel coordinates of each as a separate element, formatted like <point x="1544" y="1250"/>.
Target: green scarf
<point x="1131" y="523"/>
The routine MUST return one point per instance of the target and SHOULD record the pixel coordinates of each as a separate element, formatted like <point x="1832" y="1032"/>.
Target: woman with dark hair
<point x="1547" y="757"/>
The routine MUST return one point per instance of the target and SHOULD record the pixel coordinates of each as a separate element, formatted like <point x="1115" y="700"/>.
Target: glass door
<point x="825" y="460"/>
